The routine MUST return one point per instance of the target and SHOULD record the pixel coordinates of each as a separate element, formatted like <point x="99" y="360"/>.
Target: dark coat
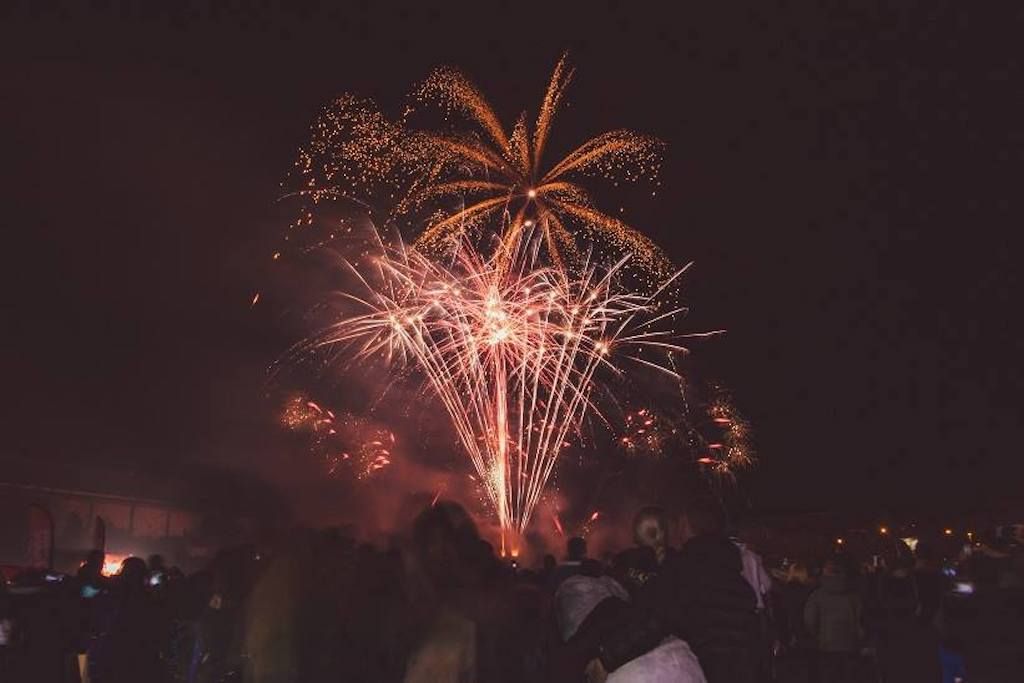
<point x="699" y="595"/>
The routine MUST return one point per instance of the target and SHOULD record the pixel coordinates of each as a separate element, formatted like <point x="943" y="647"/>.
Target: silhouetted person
<point x="547" y="568"/>
<point x="636" y="566"/>
<point x="671" y="661"/>
<point x="576" y="553"/>
<point x="128" y="643"/>
<point x="832" y="617"/>
<point x="909" y="647"/>
<point x="90" y="574"/>
<point x="444" y="636"/>
<point x="698" y="595"/>
<point x="927" y="583"/>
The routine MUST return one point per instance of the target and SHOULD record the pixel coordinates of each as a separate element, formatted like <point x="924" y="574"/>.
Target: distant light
<point x="883" y="530"/>
<point x="531" y="193"/>
<point x="839" y="541"/>
<point x="949" y="532"/>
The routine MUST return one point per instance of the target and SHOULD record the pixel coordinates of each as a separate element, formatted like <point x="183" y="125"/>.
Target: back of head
<point x="704" y="515"/>
<point x="132" y="577"/>
<point x="93" y="564"/>
<point x="445" y="543"/>
<point x="156" y="563"/>
<point x="576" y="549"/>
<point x="798" y="574"/>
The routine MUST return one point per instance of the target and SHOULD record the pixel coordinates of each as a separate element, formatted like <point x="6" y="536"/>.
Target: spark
<point x="510" y="348"/>
<point x="255" y="299"/>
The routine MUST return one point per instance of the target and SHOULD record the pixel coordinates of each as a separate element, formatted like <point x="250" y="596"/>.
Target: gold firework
<point x="503" y="174"/>
<point x="458" y="182"/>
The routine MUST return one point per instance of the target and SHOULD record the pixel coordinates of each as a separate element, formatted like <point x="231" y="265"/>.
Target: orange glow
<point x="839" y="541"/>
<point x="949" y="532"/>
<point x="112" y="564"/>
<point x="883" y="530"/>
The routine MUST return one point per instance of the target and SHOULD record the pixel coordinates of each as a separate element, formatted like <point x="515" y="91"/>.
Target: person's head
<point x="703" y="515"/>
<point x="156" y="563"/>
<point x="797" y="573"/>
<point x="650" y="529"/>
<point x="132" y="576"/>
<point x="576" y="549"/>
<point x="445" y="544"/>
<point x="833" y="567"/>
<point x="94" y="561"/>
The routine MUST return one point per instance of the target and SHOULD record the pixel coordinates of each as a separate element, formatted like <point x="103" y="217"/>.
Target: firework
<point x="732" y="448"/>
<point x="483" y="176"/>
<point x="645" y="433"/>
<point x="345" y="442"/>
<point x="510" y="347"/>
<point x="504" y="173"/>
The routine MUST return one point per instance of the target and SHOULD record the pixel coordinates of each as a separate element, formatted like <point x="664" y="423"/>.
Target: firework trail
<point x="511" y="348"/>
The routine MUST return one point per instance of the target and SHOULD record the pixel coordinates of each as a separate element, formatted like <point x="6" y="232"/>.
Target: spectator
<point x="576" y="553"/>
<point x="636" y="566"/>
<point x="671" y="661"/>
<point x="832" y="617"/>
<point x="700" y="596"/>
<point x="445" y="638"/>
<point x="908" y="648"/>
<point x="128" y="643"/>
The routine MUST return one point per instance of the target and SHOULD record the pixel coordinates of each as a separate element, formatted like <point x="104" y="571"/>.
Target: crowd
<point x="445" y="608"/>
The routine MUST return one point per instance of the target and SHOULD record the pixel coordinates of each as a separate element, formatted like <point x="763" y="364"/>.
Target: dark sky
<point x="847" y="181"/>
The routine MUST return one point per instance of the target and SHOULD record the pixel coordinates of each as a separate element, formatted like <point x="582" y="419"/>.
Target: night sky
<point x="847" y="181"/>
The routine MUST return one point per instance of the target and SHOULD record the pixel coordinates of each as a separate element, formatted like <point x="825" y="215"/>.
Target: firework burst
<point x="498" y="173"/>
<point x="484" y="176"/>
<point x="645" y="432"/>
<point x="343" y="441"/>
<point x="730" y="448"/>
<point x="511" y="348"/>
